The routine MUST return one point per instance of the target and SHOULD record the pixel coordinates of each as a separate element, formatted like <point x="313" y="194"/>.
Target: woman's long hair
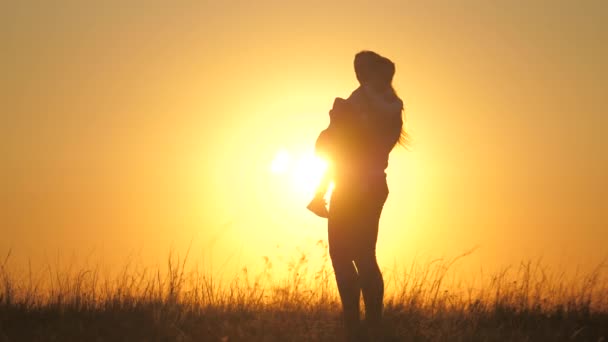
<point x="404" y="137"/>
<point x="386" y="72"/>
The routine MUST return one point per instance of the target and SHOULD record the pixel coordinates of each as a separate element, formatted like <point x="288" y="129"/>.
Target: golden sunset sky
<point x="135" y="128"/>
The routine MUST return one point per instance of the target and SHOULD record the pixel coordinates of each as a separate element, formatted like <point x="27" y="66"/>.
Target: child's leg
<point x="318" y="205"/>
<point x="323" y="185"/>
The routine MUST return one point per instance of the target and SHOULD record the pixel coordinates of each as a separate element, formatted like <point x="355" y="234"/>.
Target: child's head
<point x="365" y="62"/>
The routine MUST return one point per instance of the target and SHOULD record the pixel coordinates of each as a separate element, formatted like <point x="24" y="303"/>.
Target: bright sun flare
<point x="305" y="170"/>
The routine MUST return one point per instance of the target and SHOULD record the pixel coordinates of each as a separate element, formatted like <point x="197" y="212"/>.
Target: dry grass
<point x="524" y="303"/>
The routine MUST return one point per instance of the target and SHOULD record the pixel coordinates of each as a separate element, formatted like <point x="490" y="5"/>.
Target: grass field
<point x="182" y="303"/>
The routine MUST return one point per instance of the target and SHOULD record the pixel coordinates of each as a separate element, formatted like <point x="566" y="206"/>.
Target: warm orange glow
<point x="128" y="129"/>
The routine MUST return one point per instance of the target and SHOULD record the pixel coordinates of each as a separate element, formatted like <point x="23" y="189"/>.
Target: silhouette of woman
<point x="363" y="130"/>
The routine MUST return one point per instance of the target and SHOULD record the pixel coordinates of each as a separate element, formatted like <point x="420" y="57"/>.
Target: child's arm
<point x="328" y="137"/>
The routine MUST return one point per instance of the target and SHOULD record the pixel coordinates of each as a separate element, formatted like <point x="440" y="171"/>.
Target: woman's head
<point x="373" y="69"/>
<point x="382" y="74"/>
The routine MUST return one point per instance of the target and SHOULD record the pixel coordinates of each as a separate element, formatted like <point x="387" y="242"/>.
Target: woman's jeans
<point x="354" y="214"/>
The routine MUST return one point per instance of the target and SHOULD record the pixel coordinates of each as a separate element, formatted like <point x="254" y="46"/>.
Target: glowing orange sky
<point x="138" y="128"/>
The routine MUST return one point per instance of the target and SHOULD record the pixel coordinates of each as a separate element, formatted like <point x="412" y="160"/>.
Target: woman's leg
<point x="352" y="235"/>
<point x="341" y="253"/>
<point x="350" y="293"/>
<point x="370" y="277"/>
<point x="372" y="286"/>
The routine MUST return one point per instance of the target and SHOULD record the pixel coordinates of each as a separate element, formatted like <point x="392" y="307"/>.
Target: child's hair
<point x="364" y="63"/>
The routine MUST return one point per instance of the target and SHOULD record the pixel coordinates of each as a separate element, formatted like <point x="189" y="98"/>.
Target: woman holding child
<point x="363" y="130"/>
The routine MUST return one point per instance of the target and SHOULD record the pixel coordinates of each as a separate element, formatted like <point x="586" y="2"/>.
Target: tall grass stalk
<point x="423" y="302"/>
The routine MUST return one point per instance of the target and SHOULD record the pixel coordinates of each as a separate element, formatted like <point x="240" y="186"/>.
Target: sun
<point x="304" y="170"/>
